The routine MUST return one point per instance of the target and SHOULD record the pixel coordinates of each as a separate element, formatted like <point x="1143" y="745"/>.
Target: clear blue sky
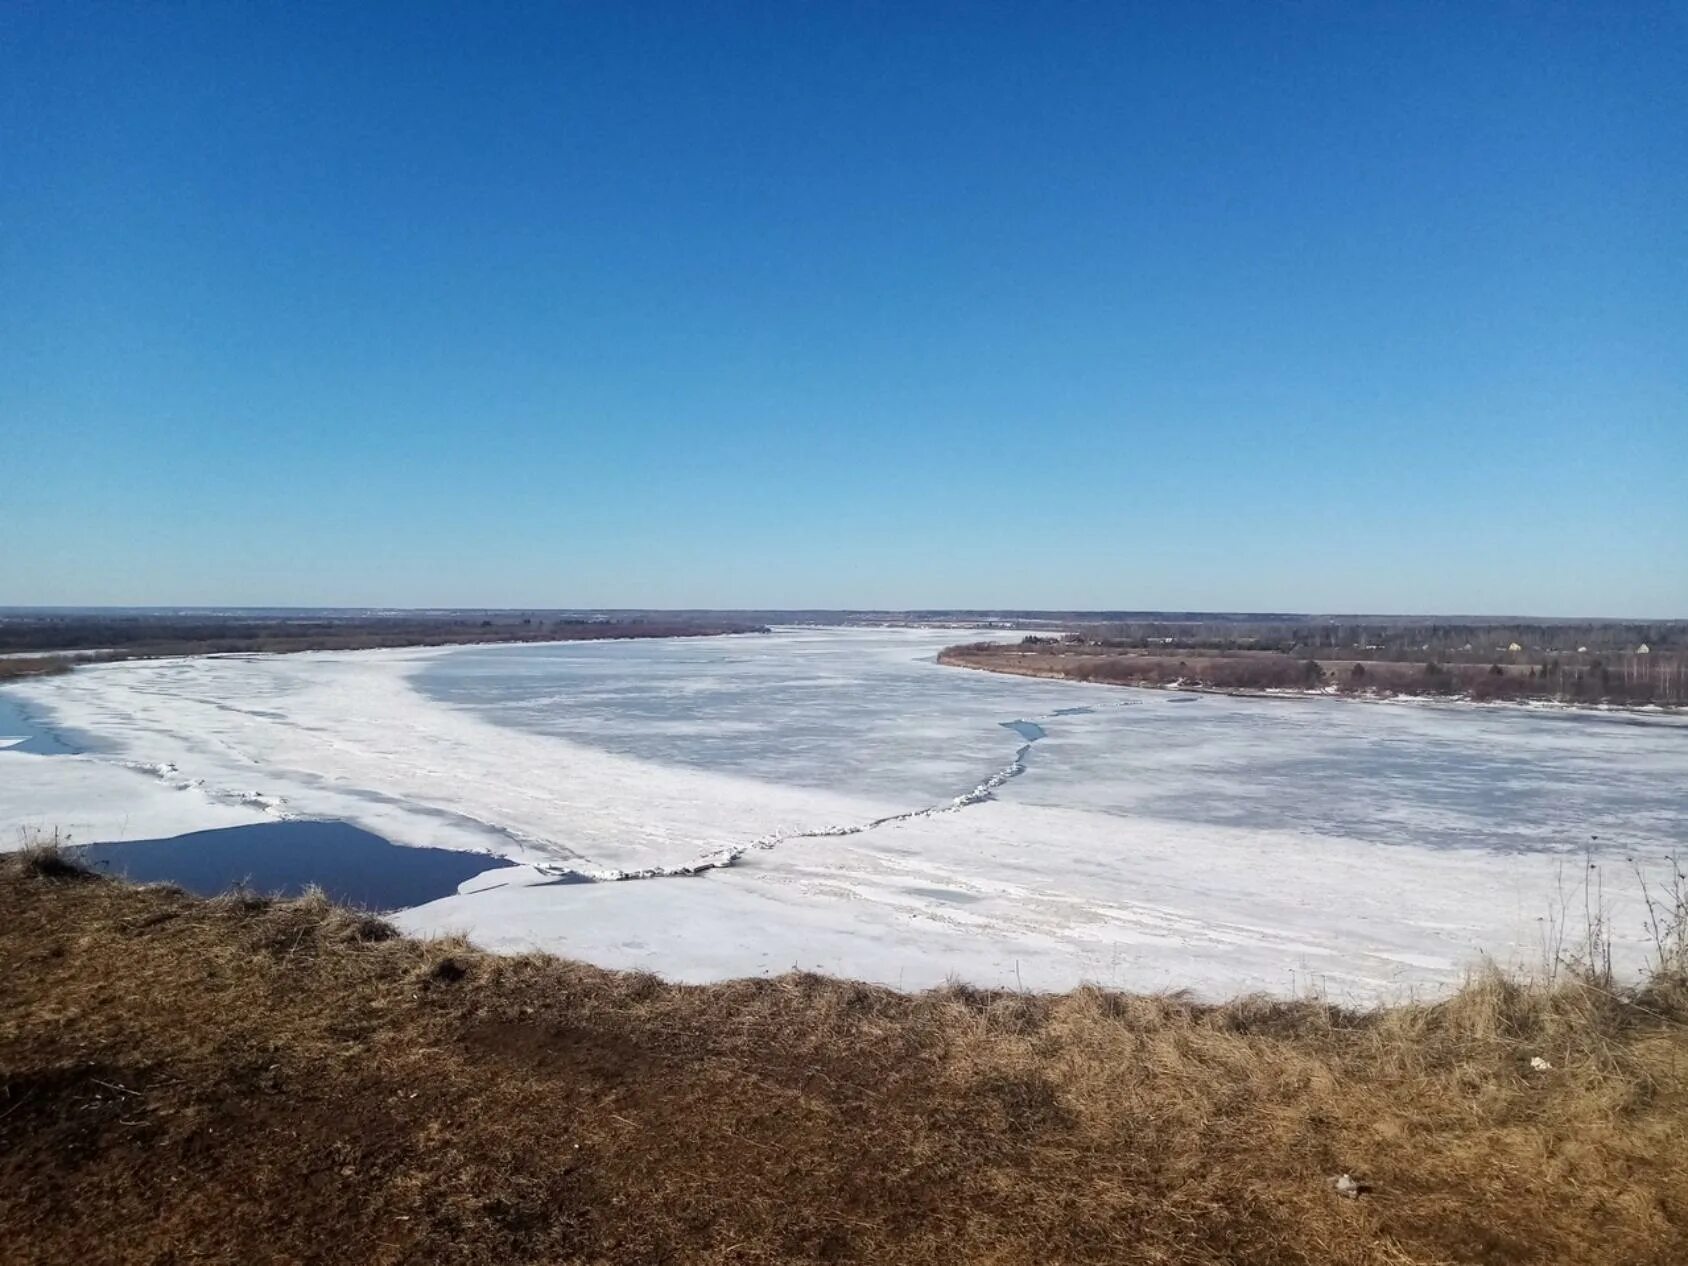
<point x="1300" y="306"/>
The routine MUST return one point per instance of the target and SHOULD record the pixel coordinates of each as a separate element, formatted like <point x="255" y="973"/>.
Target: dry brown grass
<point x="237" y="1080"/>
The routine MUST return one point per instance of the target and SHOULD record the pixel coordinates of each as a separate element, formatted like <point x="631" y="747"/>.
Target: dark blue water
<point x="1031" y="731"/>
<point x="37" y="738"/>
<point x="284" y="858"/>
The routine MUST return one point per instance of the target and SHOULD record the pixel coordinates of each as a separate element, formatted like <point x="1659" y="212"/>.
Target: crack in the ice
<point x="731" y="854"/>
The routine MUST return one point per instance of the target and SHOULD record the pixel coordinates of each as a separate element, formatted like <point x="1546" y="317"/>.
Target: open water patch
<point x="21" y="732"/>
<point x="351" y="865"/>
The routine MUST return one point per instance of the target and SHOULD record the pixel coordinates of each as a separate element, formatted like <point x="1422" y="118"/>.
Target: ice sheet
<point x="1114" y="835"/>
<point x="344" y="736"/>
<point x="1040" y="898"/>
<point x="87" y="800"/>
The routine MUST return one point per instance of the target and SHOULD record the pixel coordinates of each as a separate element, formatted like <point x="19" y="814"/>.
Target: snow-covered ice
<point x="889" y="818"/>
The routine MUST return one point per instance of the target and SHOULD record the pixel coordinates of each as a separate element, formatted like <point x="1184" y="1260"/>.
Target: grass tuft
<point x="49" y="861"/>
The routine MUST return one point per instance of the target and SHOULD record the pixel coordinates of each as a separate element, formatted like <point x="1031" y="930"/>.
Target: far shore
<point x="50" y="647"/>
<point x="1379" y="681"/>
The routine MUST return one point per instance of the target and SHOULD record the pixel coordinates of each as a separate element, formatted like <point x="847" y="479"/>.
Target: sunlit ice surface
<point x="834" y="799"/>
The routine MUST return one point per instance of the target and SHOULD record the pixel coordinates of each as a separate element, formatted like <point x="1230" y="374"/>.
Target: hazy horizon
<point x="933" y="611"/>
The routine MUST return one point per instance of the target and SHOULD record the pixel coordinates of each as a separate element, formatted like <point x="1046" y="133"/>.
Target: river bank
<point x="1266" y="675"/>
<point x="187" y="1078"/>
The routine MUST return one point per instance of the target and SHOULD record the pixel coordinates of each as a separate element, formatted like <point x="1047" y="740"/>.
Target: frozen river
<point x="886" y="817"/>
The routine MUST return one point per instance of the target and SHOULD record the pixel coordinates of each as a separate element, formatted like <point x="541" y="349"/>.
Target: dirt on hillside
<point x="236" y="1080"/>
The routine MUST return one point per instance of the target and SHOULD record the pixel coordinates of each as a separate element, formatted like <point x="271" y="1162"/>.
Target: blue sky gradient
<point x="1303" y="306"/>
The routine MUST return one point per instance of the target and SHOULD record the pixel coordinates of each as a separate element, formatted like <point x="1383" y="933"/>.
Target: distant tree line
<point x="129" y="636"/>
<point x="1628" y="676"/>
<point x="1468" y="642"/>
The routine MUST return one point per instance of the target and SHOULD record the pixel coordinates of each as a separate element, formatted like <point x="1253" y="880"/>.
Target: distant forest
<point x="49" y="642"/>
<point x="1384" y="638"/>
<point x="1568" y="661"/>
